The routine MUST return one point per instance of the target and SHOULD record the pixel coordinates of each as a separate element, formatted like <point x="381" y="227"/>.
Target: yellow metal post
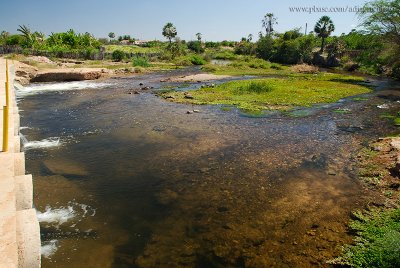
<point x="7" y="86"/>
<point x="5" y="128"/>
<point x="5" y="112"/>
<point x="7" y="94"/>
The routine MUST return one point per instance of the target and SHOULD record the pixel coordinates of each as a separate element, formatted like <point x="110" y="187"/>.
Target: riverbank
<point x="41" y="69"/>
<point x="377" y="227"/>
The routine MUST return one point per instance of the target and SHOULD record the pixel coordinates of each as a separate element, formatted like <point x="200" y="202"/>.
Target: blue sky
<point x="215" y="19"/>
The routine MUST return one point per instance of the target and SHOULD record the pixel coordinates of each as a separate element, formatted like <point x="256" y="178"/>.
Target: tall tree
<point x="26" y="32"/>
<point x="111" y="35"/>
<point x="4" y="35"/>
<point x="169" y="31"/>
<point x="324" y="29"/>
<point x="382" y="17"/>
<point x="268" y="23"/>
<point x="198" y="35"/>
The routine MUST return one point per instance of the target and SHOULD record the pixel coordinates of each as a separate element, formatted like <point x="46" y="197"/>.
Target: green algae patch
<point x="274" y="93"/>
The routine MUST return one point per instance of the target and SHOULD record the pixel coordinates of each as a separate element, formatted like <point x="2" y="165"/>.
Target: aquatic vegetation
<point x="248" y="66"/>
<point x="378" y="240"/>
<point x="274" y="93"/>
<point x="342" y="111"/>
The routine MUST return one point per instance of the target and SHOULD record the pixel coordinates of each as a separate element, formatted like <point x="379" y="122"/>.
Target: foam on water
<point x="48" y="87"/>
<point x="49" y="248"/>
<point x="57" y="216"/>
<point x="45" y="143"/>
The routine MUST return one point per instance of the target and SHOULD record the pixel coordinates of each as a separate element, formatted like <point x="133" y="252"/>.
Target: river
<point x="131" y="180"/>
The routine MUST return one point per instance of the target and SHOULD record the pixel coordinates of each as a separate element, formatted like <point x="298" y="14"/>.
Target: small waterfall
<point x="23" y="138"/>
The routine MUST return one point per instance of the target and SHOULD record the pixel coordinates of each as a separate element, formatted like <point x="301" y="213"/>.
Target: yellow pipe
<point x="5" y="128"/>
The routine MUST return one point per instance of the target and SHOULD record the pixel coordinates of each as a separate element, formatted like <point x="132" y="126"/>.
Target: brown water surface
<point x="147" y="185"/>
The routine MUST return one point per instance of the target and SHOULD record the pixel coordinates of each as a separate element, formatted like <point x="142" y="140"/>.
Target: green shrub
<point x="396" y="71"/>
<point x="209" y="68"/>
<point x="195" y="46"/>
<point x="118" y="55"/>
<point x="140" y="61"/>
<point x="276" y="66"/>
<point x="225" y="55"/>
<point x="14" y="40"/>
<point x="377" y="242"/>
<point x="212" y="44"/>
<point x="245" y="48"/>
<point x="287" y="51"/>
<point x="265" y="48"/>
<point x="197" y="60"/>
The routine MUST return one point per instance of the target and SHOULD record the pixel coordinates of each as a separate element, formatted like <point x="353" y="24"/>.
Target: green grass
<point x="132" y="49"/>
<point x="274" y="93"/>
<point x="140" y="61"/>
<point x="377" y="243"/>
<point x="247" y="66"/>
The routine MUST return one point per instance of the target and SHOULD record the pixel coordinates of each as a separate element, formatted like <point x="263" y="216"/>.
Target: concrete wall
<point x="19" y="227"/>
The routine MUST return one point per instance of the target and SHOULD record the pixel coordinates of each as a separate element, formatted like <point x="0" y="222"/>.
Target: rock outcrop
<point x="62" y="75"/>
<point x="24" y="73"/>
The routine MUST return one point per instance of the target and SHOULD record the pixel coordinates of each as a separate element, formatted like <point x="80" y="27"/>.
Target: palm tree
<point x="111" y="35"/>
<point x="38" y="36"/>
<point x="169" y="31"/>
<point x="268" y="23"/>
<point x="198" y="35"/>
<point x="26" y="32"/>
<point x="323" y="29"/>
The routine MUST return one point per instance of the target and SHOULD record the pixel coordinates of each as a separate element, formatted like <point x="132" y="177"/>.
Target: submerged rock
<point x="65" y="167"/>
<point x="167" y="197"/>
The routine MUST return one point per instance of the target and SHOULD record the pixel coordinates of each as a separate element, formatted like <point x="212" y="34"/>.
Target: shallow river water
<point x="131" y="180"/>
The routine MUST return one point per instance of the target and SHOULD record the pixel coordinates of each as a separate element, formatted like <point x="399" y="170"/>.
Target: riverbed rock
<point x="65" y="167"/>
<point x="63" y="75"/>
<point x="24" y="72"/>
<point x="188" y="96"/>
<point x="167" y="197"/>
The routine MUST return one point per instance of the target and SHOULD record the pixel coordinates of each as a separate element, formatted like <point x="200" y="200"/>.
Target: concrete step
<point x="8" y="240"/>
<point x="28" y="239"/>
